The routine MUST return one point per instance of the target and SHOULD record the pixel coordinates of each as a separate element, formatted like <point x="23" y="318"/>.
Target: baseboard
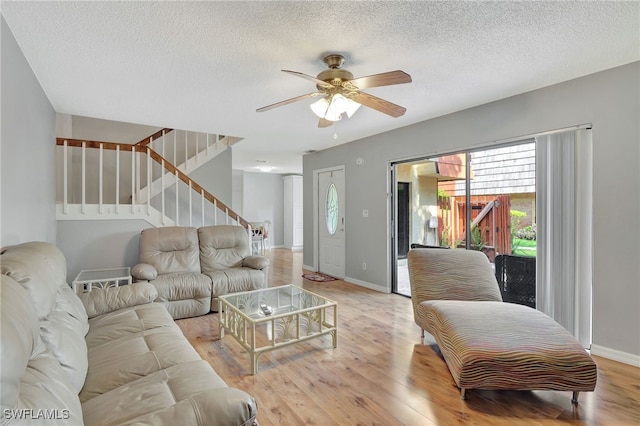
<point x="309" y="268"/>
<point x="615" y="355"/>
<point x="296" y="248"/>
<point x="366" y="284"/>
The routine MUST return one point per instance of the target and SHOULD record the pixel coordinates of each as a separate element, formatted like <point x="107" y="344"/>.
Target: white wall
<point x="28" y="187"/>
<point x="609" y="100"/>
<point x="293" y="227"/>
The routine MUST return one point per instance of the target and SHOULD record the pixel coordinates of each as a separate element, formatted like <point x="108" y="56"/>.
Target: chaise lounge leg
<point x="462" y="393"/>
<point x="574" y="397"/>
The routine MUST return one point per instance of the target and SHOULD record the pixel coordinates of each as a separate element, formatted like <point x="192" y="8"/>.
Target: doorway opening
<point x="404" y="212"/>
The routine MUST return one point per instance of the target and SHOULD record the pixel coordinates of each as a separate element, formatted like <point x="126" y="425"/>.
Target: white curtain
<point x="564" y="229"/>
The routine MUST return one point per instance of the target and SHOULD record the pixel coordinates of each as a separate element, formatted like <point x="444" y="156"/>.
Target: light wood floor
<point x="381" y="374"/>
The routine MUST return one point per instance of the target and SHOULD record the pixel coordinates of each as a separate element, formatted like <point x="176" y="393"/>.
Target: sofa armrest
<point x="256" y="262"/>
<point x="224" y="406"/>
<point x="98" y="302"/>
<point x="144" y="272"/>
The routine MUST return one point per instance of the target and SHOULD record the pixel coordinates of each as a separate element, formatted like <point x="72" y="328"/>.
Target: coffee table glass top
<point x="266" y="319"/>
<point x="275" y="301"/>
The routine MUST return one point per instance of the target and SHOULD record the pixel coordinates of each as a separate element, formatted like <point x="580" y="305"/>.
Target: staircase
<point x="115" y="181"/>
<point x="186" y="150"/>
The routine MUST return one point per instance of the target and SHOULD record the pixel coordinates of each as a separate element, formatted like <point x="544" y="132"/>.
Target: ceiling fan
<point x="341" y="94"/>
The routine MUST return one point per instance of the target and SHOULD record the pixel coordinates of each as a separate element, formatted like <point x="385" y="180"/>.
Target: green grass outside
<point x="524" y="247"/>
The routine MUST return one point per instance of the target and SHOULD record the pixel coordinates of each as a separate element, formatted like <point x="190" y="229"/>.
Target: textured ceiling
<point x="207" y="66"/>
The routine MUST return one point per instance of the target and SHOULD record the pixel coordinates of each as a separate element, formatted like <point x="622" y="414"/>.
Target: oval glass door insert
<point x="331" y="209"/>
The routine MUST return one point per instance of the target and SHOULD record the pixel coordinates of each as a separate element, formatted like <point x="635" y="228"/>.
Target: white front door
<point x="331" y="251"/>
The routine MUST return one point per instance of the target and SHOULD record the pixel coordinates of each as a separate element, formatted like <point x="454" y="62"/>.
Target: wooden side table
<point x="88" y="279"/>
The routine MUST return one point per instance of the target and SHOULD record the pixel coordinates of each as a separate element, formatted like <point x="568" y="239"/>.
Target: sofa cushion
<point x="66" y="342"/>
<point x="131" y="343"/>
<point x="106" y="300"/>
<point x="40" y="268"/>
<point x="496" y="345"/>
<point x="184" y="295"/>
<point x="213" y="407"/>
<point x="125" y="322"/>
<point x="31" y="378"/>
<point x="182" y="286"/>
<point x="222" y="247"/>
<point x="458" y="274"/>
<point x="152" y="393"/>
<point x="227" y="281"/>
<point x="144" y="271"/>
<point x="170" y="249"/>
<point x="256" y="262"/>
<point x="67" y="300"/>
<point x="130" y="357"/>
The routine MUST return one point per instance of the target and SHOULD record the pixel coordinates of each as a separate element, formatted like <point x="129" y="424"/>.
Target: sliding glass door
<point x="526" y="205"/>
<point x="481" y="200"/>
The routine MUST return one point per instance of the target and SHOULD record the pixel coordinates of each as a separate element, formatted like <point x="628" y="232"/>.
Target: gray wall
<point x="216" y="176"/>
<point x="108" y="131"/>
<point x="609" y="100"/>
<point x="262" y="200"/>
<point x="27" y="151"/>
<point x="99" y="244"/>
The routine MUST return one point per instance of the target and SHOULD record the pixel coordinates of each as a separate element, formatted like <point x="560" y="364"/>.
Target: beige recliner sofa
<point x="191" y="267"/>
<point x="110" y="357"/>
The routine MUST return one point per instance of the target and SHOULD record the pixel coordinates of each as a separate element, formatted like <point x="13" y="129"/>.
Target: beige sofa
<point x="191" y="267"/>
<point x="111" y="357"/>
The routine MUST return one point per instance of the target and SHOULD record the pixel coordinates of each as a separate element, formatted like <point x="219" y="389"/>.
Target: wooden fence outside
<point x="490" y="223"/>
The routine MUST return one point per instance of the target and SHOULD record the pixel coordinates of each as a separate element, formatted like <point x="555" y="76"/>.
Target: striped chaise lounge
<point x="486" y="343"/>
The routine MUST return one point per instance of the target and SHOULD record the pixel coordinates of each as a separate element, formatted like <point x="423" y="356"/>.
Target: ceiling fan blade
<point x="383" y="79"/>
<point x="381" y="105"/>
<point x="288" y="101"/>
<point x="319" y="82"/>
<point x="324" y="123"/>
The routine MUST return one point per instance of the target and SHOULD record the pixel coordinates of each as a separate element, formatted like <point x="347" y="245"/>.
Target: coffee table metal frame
<point x="298" y="315"/>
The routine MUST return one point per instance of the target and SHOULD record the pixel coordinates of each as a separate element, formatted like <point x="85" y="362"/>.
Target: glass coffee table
<point x="266" y="319"/>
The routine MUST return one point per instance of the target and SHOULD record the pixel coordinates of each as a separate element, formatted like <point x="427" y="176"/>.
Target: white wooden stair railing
<point x="98" y="181"/>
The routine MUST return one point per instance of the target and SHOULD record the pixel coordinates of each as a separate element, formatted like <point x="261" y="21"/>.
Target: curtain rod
<point x="490" y="144"/>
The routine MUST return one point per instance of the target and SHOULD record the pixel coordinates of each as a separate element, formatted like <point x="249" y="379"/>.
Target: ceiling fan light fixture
<point x="334" y="112"/>
<point x="332" y="107"/>
<point x="352" y="107"/>
<point x="339" y="103"/>
<point x="320" y="107"/>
